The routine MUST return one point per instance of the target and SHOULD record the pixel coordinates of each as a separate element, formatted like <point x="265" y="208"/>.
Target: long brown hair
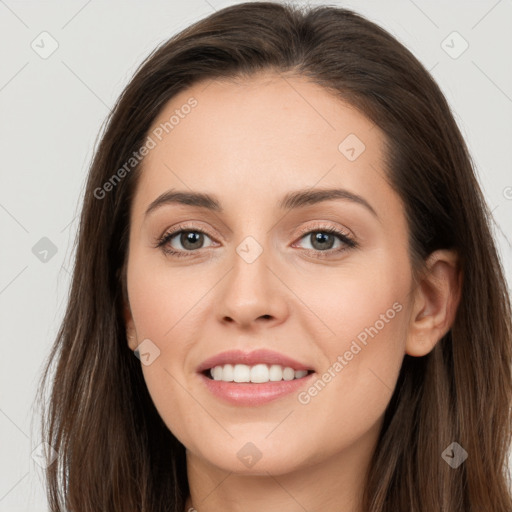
<point x="114" y="451"/>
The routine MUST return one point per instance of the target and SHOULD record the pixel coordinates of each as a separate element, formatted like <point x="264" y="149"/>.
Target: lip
<point x="251" y="358"/>
<point x="247" y="393"/>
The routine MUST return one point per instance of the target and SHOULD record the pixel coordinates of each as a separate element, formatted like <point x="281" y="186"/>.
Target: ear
<point x="131" y="333"/>
<point x="436" y="300"/>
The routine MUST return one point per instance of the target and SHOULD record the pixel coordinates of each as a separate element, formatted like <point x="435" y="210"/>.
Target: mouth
<point x="254" y="378"/>
<point x="259" y="373"/>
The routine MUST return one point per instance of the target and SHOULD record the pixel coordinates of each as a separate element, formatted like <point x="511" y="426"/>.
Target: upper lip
<point x="251" y="358"/>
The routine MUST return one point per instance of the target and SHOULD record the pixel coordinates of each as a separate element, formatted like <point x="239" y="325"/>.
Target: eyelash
<point x="348" y="241"/>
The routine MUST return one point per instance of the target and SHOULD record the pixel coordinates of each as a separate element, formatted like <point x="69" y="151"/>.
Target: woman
<point x="286" y="294"/>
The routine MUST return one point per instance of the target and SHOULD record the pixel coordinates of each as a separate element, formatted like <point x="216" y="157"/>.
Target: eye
<point x="190" y="240"/>
<point x="322" y="240"/>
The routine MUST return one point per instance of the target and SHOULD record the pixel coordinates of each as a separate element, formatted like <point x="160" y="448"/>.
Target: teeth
<point x="276" y="373"/>
<point x="259" y="373"/>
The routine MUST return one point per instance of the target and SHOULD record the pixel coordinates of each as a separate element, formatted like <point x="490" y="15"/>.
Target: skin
<point x="249" y="143"/>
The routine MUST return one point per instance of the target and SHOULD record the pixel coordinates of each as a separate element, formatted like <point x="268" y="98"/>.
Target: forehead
<point x="253" y="137"/>
<point x="281" y="112"/>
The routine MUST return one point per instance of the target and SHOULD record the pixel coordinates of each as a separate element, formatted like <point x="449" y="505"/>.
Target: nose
<point x="252" y="294"/>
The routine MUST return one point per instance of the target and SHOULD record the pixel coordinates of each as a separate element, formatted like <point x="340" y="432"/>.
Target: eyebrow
<point x="291" y="201"/>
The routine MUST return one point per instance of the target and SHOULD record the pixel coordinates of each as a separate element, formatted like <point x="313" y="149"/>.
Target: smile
<point x="258" y="373"/>
<point x="253" y="378"/>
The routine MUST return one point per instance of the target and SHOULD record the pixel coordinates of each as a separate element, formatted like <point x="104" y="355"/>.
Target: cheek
<point x="172" y="399"/>
<point x="165" y="304"/>
<point x="365" y="314"/>
<point x="162" y="299"/>
<point x="364" y="299"/>
<point x="353" y="390"/>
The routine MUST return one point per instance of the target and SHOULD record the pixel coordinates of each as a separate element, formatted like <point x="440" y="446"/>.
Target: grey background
<point x="52" y="110"/>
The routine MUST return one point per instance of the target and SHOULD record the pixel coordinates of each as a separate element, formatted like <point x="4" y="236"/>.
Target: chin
<point x="255" y="459"/>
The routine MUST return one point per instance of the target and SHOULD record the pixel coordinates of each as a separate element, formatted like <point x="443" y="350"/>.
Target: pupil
<point x="321" y="238"/>
<point x="190" y="238"/>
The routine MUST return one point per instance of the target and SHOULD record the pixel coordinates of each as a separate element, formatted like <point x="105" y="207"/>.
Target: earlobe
<point x="436" y="300"/>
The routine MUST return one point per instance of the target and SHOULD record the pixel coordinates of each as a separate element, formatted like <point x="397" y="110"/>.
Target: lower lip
<point x="250" y="394"/>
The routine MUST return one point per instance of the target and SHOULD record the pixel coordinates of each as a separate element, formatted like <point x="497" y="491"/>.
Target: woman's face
<point x="256" y="270"/>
